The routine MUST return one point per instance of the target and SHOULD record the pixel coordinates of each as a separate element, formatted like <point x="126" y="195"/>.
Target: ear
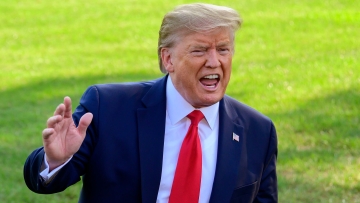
<point x="166" y="59"/>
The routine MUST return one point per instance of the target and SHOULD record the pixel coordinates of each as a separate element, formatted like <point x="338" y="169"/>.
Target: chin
<point x="209" y="101"/>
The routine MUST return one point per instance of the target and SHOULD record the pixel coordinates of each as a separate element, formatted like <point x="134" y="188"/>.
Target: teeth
<point x="211" y="76"/>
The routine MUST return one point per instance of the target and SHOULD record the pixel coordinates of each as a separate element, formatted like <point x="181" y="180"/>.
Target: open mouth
<point x="210" y="81"/>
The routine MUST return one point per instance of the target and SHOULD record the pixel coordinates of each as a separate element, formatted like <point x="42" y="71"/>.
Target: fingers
<point x="84" y="123"/>
<point x="47" y="132"/>
<point x="53" y="120"/>
<point x="68" y="107"/>
<point x="64" y="109"/>
<point x="59" y="110"/>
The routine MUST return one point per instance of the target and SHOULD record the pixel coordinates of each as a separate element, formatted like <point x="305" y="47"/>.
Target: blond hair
<point x="197" y="17"/>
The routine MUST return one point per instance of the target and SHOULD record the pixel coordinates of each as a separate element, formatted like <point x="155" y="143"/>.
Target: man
<point x="130" y="142"/>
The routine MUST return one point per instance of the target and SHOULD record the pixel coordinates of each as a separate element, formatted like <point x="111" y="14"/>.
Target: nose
<point x="212" y="60"/>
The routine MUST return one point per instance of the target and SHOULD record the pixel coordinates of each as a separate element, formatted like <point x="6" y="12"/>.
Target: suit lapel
<point x="151" y="129"/>
<point x="229" y="154"/>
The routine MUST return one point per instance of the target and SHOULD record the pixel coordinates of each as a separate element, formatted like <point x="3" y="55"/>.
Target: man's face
<point x="200" y="66"/>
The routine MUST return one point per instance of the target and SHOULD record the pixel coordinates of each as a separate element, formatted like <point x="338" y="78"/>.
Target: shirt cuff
<point x="45" y="173"/>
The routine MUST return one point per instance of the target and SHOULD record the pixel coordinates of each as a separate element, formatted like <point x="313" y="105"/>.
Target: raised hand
<point x="61" y="138"/>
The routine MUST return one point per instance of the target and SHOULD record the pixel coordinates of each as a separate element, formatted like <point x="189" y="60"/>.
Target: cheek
<point x="227" y="67"/>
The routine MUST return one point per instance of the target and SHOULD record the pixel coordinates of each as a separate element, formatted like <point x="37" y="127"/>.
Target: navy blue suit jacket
<point x="120" y="159"/>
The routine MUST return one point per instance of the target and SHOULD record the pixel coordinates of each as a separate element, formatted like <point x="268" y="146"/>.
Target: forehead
<point x="217" y="37"/>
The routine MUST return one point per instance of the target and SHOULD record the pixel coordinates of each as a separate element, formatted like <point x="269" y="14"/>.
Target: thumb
<point x="84" y="123"/>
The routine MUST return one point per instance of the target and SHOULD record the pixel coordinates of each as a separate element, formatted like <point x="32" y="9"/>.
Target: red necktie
<point x="187" y="179"/>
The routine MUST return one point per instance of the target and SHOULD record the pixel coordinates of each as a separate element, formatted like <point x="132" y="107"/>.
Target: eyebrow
<point x="201" y="46"/>
<point x="221" y="44"/>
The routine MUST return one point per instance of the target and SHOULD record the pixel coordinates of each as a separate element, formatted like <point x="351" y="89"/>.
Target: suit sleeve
<point x="72" y="171"/>
<point x="268" y="192"/>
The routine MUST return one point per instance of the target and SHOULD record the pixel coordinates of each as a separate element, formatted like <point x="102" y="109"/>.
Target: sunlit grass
<point x="295" y="61"/>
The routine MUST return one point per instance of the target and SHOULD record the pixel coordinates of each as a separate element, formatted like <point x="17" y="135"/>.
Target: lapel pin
<point x="236" y="137"/>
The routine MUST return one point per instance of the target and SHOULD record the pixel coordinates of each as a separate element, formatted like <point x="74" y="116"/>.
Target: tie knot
<point x="195" y="117"/>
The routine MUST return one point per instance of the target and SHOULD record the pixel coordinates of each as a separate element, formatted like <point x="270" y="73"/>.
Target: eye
<point x="223" y="51"/>
<point x="197" y="52"/>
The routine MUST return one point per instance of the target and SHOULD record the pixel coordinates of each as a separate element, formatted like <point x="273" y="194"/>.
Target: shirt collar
<point x="178" y="108"/>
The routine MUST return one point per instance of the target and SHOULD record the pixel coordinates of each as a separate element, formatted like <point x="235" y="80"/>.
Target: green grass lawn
<point x="295" y="61"/>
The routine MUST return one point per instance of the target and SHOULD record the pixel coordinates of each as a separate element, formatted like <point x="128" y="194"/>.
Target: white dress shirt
<point x="176" y="127"/>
